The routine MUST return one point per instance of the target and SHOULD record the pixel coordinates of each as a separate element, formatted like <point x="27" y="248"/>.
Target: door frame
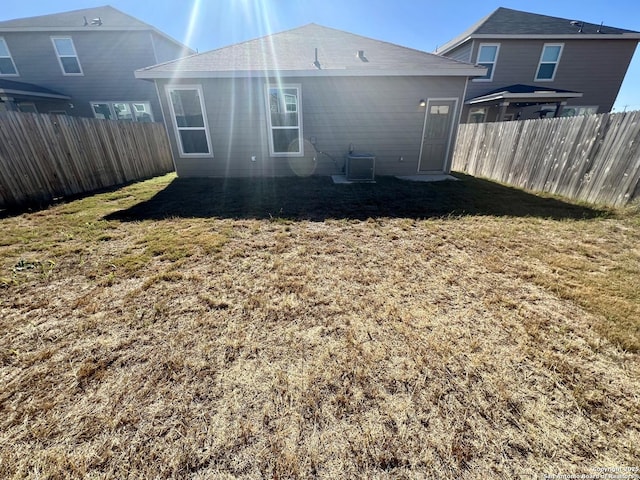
<point x="451" y="127"/>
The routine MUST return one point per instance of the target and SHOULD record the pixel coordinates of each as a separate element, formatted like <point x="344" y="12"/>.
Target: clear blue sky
<point x="420" y="24"/>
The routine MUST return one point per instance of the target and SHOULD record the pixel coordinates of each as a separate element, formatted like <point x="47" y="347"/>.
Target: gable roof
<point x="111" y="19"/>
<point x="311" y="50"/>
<point x="506" y="23"/>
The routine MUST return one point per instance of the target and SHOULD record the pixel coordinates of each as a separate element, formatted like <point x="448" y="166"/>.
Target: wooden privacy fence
<point x="43" y="157"/>
<point x="593" y="158"/>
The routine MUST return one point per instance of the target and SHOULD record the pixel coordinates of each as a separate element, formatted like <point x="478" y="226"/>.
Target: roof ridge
<point x="266" y="37"/>
<point x="64" y="13"/>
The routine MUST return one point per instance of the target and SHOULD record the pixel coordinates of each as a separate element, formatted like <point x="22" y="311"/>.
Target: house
<point x="81" y="63"/>
<point x="300" y="101"/>
<point x="539" y="65"/>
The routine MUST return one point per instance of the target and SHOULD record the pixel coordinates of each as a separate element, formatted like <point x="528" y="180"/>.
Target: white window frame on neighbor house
<point x="555" y="63"/>
<point x="493" y="63"/>
<point x="169" y="89"/>
<point x="66" y="55"/>
<point x="286" y="105"/>
<point x="579" y="110"/>
<point x="481" y="112"/>
<point x="131" y="105"/>
<point x="27" y="107"/>
<point x="4" y="54"/>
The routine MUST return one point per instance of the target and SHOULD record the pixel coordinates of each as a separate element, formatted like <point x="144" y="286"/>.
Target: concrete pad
<point x="343" y="180"/>
<point x="428" y="178"/>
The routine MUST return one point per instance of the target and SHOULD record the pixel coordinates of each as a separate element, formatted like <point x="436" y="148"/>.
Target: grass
<point x="290" y="328"/>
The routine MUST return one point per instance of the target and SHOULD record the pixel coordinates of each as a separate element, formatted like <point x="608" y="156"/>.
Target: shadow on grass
<point x="317" y="198"/>
<point x="30" y="207"/>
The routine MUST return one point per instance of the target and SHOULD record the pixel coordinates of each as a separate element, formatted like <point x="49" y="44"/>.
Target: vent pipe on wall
<point x="316" y="62"/>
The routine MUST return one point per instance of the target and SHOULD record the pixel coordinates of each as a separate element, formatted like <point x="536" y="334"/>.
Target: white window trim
<point x="176" y="129"/>
<point x="484" y="118"/>
<point x="557" y="63"/>
<point x="495" y="61"/>
<point x="112" y="111"/>
<point x="59" y="57"/>
<point x="582" y="107"/>
<point x="10" y="57"/>
<point x="298" y="88"/>
<point x="30" y="104"/>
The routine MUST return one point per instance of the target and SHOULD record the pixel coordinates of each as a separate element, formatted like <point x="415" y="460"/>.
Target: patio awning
<point x="524" y="96"/>
<point x="531" y="95"/>
<point x="28" y="91"/>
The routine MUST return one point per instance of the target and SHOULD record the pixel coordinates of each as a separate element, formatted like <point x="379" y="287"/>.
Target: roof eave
<point x="546" y="36"/>
<point x="447" y="47"/>
<point x="98" y="29"/>
<point x="558" y="36"/>
<point x="436" y="72"/>
<point x="529" y="96"/>
<point x="28" y="93"/>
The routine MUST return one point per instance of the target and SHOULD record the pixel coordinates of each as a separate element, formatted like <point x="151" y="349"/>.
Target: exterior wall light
<point x="423" y="103"/>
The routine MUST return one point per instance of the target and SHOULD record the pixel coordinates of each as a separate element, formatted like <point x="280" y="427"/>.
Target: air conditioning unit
<point x="360" y="167"/>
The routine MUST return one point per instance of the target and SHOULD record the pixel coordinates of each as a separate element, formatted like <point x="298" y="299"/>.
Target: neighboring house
<point x="539" y="65"/>
<point x="81" y="63"/>
<point x="299" y="101"/>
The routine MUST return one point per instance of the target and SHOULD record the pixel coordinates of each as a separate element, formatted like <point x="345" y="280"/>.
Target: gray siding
<point x="380" y="115"/>
<point x="594" y="67"/>
<point x="461" y="53"/>
<point x="166" y="50"/>
<point x="108" y="60"/>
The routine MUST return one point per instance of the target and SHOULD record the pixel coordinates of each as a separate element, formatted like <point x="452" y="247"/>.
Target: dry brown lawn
<point x="293" y="329"/>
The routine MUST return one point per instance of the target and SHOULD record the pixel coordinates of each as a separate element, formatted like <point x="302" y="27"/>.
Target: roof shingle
<point x="295" y="51"/>
<point x="506" y="21"/>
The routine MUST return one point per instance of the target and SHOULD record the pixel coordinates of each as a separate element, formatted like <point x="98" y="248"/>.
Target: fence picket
<point x="43" y="157"/>
<point x="592" y="158"/>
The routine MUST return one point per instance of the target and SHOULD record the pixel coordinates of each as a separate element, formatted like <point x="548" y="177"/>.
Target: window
<point x="577" y="111"/>
<point x="189" y="120"/>
<point x="477" y="115"/>
<point x="285" y="125"/>
<point x="142" y="112"/>
<point x="549" y="62"/>
<point x="128" y="111"/>
<point x="27" y="107"/>
<point x="67" y="56"/>
<point x="487" y="57"/>
<point x="7" y="67"/>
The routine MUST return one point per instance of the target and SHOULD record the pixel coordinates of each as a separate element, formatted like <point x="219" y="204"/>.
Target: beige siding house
<point x="301" y="101"/>
<point x="538" y="65"/>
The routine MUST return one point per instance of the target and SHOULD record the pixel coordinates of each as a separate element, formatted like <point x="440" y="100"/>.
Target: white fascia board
<point x="71" y="29"/>
<point x="25" y="93"/>
<point x="572" y="36"/>
<point x="528" y="96"/>
<point x="513" y="36"/>
<point x="436" y="72"/>
<point x="446" y="48"/>
<point x="89" y="28"/>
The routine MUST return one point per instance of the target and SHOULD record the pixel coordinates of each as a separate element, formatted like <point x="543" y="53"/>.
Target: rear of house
<point x="300" y="102"/>
<point x="82" y="63"/>
<point x="539" y="65"/>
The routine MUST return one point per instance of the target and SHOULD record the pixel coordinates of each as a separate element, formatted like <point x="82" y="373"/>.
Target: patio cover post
<point x="9" y="103"/>
<point x="503" y="111"/>
<point x="559" y="107"/>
